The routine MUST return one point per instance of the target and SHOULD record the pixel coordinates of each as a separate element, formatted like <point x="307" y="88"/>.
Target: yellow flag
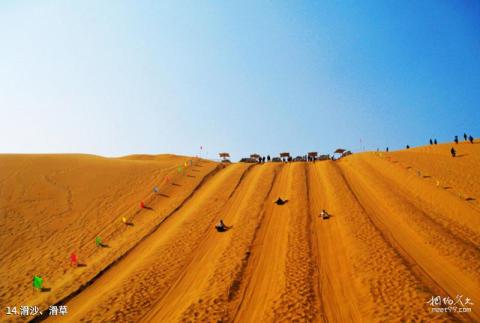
<point x="124" y="219"/>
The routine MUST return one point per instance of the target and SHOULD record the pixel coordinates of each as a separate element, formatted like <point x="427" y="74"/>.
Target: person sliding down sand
<point x="221" y="227"/>
<point x="324" y="215"/>
<point x="280" y="201"/>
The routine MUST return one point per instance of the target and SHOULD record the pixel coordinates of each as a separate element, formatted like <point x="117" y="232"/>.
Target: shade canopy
<point x="254" y="156"/>
<point x="339" y="151"/>
<point x="224" y="155"/>
<point x="284" y="154"/>
<point x="312" y="154"/>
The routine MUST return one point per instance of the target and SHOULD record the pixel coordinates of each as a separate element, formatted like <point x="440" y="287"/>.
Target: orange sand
<point x="405" y="226"/>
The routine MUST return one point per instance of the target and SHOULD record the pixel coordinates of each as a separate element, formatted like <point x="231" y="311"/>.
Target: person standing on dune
<point x="456" y="139"/>
<point x="431" y="141"/>
<point x="465" y="136"/>
<point x="435" y="141"/>
<point x="453" y="152"/>
<point x="471" y="139"/>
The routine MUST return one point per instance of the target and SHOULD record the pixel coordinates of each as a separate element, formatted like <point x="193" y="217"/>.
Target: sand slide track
<point x="298" y="300"/>
<point x="329" y="255"/>
<point x="266" y="276"/>
<point x="216" y="299"/>
<point x="200" y="292"/>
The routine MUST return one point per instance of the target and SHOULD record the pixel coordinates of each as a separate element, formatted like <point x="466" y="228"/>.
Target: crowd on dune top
<point x="453" y="152"/>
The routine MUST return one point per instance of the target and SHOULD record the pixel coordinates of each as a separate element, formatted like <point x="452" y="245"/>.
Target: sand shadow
<point x="225" y="229"/>
<point x="462" y="155"/>
<point x="469" y="199"/>
<point x="103" y="245"/>
<point x="175" y="184"/>
<point x="163" y="194"/>
<point x="130" y="224"/>
<point x="195" y="170"/>
<point x="80" y="265"/>
<point x="45" y="290"/>
<point x="281" y="203"/>
<point x="427" y="176"/>
<point x="191" y="176"/>
<point x="148" y="208"/>
<point x="447" y="187"/>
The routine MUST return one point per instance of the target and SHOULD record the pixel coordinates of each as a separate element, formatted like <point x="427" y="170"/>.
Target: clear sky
<point x="122" y="77"/>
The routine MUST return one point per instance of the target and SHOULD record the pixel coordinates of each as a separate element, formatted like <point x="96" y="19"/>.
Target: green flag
<point x="179" y="169"/>
<point x="37" y="282"/>
<point x="98" y="241"/>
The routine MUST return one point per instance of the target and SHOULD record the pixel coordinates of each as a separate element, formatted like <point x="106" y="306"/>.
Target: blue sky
<point x="122" y="77"/>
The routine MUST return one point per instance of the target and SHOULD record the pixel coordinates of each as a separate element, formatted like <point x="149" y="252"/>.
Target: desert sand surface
<point x="404" y="226"/>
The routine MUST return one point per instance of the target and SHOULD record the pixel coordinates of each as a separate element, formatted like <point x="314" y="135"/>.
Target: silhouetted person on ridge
<point x="470" y="138"/>
<point x="408" y="147"/>
<point x="387" y="149"/>
<point x="465" y="136"/>
<point x="453" y="152"/>
<point x="456" y="139"/>
<point x="431" y="142"/>
<point x="435" y="141"/>
<point x="268" y="157"/>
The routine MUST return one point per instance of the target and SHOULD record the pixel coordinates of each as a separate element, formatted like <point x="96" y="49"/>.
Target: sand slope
<point x="405" y="226"/>
<point x="52" y="205"/>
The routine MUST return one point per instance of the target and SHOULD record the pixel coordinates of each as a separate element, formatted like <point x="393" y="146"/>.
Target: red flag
<point x="73" y="259"/>
<point x="142" y="205"/>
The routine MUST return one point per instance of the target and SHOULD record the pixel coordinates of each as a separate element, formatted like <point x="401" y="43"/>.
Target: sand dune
<point x="405" y="226"/>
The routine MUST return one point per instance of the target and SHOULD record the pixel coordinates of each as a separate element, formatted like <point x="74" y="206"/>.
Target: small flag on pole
<point x="124" y="219"/>
<point x="98" y="241"/>
<point x="73" y="259"/>
<point x="37" y="282"/>
<point x="155" y="189"/>
<point x="142" y="205"/>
